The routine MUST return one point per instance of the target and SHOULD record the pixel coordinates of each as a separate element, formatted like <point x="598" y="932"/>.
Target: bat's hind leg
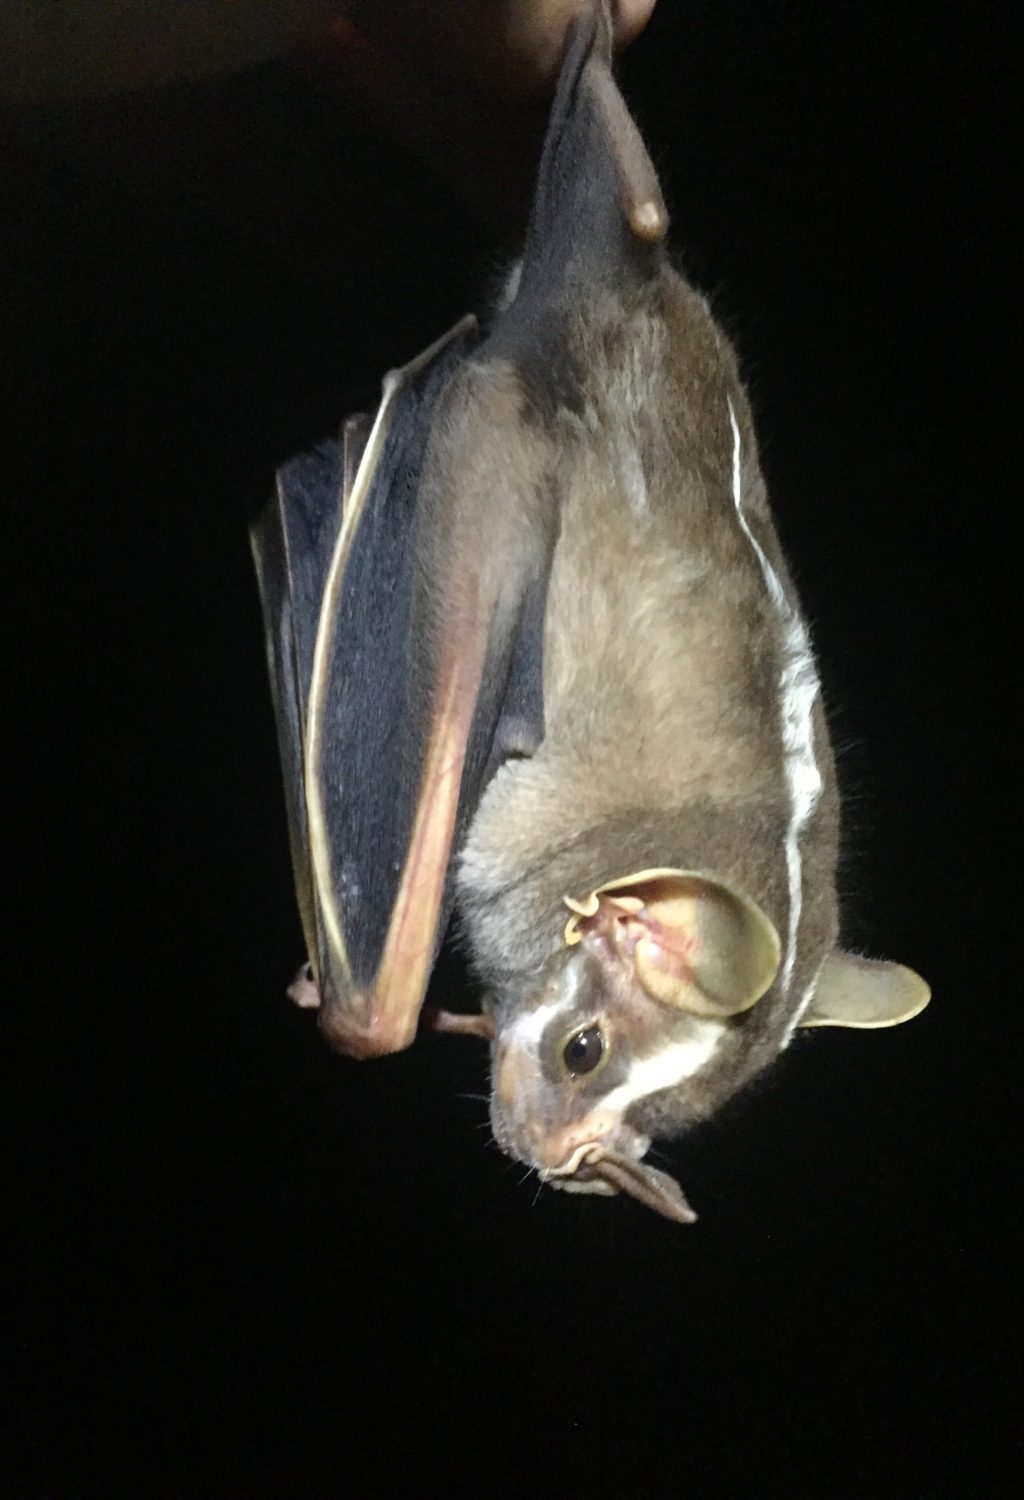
<point x="452" y="1023"/>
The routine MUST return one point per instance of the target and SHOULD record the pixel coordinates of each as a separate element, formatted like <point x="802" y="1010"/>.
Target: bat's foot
<point x="453" y="1024"/>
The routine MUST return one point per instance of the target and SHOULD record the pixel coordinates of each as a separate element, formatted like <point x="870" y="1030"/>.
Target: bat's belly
<point x="660" y="658"/>
<point x="661" y="690"/>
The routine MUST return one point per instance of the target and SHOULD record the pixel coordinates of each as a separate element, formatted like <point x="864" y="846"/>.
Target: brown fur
<point x="662" y="656"/>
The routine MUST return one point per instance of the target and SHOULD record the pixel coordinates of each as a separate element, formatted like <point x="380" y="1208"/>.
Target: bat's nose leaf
<point x="656" y="1189"/>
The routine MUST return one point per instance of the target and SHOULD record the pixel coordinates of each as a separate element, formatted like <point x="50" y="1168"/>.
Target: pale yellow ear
<point x="693" y="942"/>
<point x="865" y="992"/>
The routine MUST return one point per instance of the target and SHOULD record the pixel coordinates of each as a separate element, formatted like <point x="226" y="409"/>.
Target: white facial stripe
<point x="798" y="692"/>
<point x="527" y="1030"/>
<point x="666" y="1068"/>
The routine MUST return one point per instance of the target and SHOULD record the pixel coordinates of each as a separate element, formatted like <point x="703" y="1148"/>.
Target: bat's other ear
<point x="690" y="940"/>
<point x="866" y="993"/>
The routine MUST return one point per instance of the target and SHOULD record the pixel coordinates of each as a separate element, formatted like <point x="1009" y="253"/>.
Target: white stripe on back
<point x="798" y="691"/>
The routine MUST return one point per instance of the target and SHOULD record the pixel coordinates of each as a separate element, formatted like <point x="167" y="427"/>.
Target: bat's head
<point x="653" y="973"/>
<point x="667" y="994"/>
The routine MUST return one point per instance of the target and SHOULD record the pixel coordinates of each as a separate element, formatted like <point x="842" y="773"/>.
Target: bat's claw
<point x="303" y="990"/>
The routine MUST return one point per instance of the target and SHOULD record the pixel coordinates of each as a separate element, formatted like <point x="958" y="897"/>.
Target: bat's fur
<point x="557" y="635"/>
<point x="662" y="659"/>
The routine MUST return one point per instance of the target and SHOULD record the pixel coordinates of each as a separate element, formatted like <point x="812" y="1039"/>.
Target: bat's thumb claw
<point x="303" y="990"/>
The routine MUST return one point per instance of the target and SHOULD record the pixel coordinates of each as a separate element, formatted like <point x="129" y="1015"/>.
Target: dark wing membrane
<point x="292" y="545"/>
<point x="409" y="664"/>
<point x="381" y="741"/>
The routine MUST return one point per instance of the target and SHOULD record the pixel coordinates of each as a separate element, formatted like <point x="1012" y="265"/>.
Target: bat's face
<point x="639" y="1000"/>
<point x="567" y="1070"/>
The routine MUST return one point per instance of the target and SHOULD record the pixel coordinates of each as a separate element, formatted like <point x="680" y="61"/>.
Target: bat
<point x="537" y="661"/>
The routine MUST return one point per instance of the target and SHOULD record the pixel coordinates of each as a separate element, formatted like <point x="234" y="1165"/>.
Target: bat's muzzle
<point x="597" y="1169"/>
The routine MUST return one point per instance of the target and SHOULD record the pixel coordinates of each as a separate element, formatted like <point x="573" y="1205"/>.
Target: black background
<point x="245" y="1266"/>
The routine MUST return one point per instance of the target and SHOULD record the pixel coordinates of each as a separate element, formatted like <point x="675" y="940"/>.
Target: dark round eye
<point x="584" y="1050"/>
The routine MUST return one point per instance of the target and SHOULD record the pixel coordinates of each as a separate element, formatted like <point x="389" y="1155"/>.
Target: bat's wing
<point x="403" y="598"/>
<point x="292" y="545"/>
<point x="404" y="593"/>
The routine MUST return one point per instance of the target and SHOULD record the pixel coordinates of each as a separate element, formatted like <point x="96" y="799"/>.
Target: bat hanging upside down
<point x="536" y="657"/>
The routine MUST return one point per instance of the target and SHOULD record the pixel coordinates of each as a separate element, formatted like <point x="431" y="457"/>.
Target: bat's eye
<point x="583" y="1051"/>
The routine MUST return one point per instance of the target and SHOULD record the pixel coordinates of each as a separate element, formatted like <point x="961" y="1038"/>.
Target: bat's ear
<point x="865" y="992"/>
<point x="691" y="941"/>
<point x="597" y="205"/>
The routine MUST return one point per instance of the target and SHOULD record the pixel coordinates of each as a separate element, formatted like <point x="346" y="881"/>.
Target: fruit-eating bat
<point x="536" y="656"/>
